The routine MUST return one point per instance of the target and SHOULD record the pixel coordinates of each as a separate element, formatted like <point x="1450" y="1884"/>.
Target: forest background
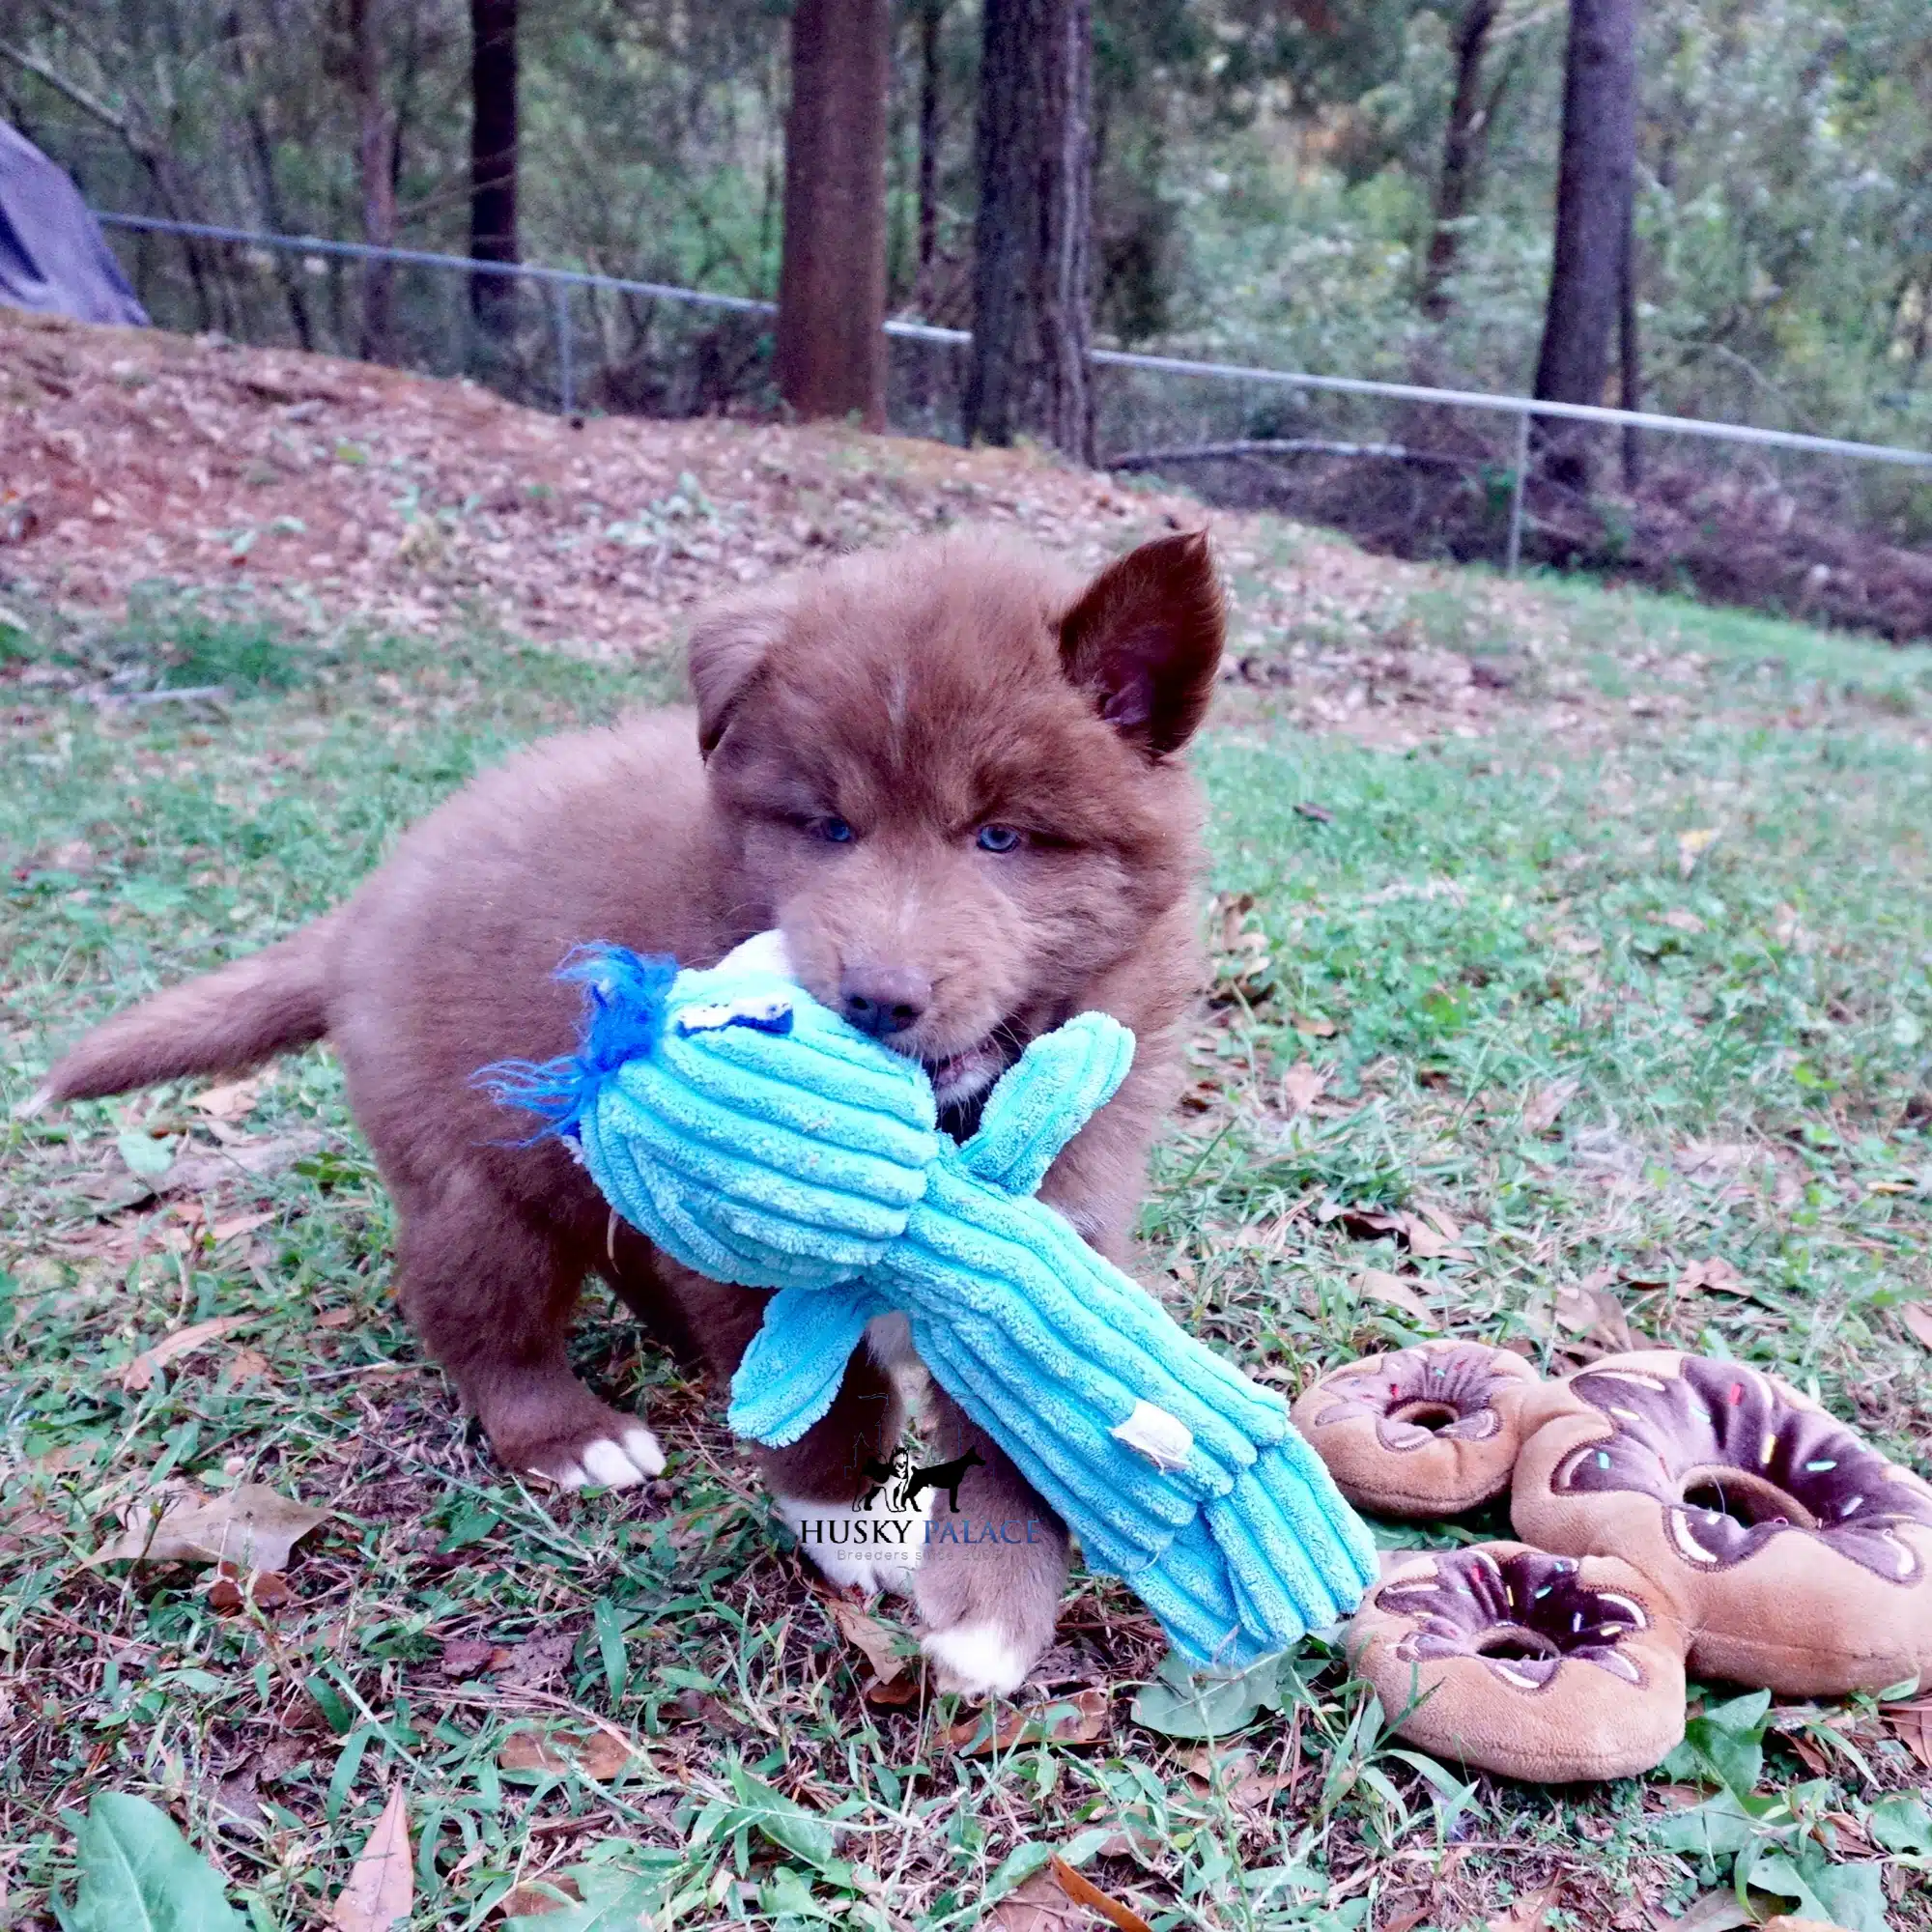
<point x="1367" y="188"/>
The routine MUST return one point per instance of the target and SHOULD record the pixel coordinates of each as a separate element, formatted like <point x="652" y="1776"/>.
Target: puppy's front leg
<point x="994" y="1568"/>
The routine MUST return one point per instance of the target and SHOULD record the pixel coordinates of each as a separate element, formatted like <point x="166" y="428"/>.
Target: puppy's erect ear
<point x="1145" y="638"/>
<point x="729" y="647"/>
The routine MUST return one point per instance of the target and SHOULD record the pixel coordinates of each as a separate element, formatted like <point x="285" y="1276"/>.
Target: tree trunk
<point x="1031" y="294"/>
<point x="1462" y="145"/>
<point x="1593" y="201"/>
<point x="830" y="357"/>
<point x="493" y="163"/>
<point x="375" y="161"/>
<point x="932" y="15"/>
<point x="1629" y="349"/>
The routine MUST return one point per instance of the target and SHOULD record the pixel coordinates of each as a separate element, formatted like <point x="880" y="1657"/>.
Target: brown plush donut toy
<point x="1798" y="1556"/>
<point x="1542" y="1667"/>
<point x="1425" y="1431"/>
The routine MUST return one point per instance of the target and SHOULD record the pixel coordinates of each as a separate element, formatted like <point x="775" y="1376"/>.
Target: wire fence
<point x="574" y="340"/>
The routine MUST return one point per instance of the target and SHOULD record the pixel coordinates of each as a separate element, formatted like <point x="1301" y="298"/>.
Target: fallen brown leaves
<point x="1058" y="1898"/>
<point x="1529" y="1913"/>
<point x="249" y="1527"/>
<point x="1912" y="1725"/>
<point x="871" y="1636"/>
<point x="139" y="1373"/>
<point x="382" y="1888"/>
<point x="1079" y="1719"/>
<point x="602" y="1755"/>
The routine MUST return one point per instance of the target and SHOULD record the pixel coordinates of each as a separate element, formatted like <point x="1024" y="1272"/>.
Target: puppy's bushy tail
<point x="224" y="1022"/>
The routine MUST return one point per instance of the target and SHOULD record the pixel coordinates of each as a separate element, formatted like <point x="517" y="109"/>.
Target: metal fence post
<point x="1513" y="557"/>
<point x="566" y="374"/>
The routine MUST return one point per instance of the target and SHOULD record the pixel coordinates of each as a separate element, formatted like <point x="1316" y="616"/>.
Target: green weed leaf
<point x="1851" y="1896"/>
<point x="788" y="1825"/>
<point x="1178" y="1704"/>
<point x="139" y="1874"/>
<point x="146" y="1156"/>
<point x="1724" y="1745"/>
<point x="1901" y="1822"/>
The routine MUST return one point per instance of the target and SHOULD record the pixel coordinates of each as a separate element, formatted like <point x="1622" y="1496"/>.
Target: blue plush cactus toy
<point x="760" y="1140"/>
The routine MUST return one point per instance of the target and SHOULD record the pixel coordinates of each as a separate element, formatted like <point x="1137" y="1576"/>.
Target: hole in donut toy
<point x="1746" y="1498"/>
<point x="1429" y="1415"/>
<point x="1513" y="1644"/>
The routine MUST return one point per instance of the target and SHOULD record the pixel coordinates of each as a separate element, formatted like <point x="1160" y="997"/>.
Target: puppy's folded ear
<point x="730" y="645"/>
<point x="1145" y="638"/>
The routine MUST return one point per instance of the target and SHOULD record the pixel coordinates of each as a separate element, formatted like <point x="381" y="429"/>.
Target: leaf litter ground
<point x="1571" y="985"/>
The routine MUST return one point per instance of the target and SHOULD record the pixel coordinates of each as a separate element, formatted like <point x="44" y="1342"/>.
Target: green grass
<point x="1748" y="1022"/>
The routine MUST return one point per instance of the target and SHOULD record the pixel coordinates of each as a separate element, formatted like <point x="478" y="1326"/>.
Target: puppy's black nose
<point x="884" y="999"/>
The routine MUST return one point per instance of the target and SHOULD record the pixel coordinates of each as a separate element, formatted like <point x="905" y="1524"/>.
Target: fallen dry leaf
<point x="382" y="1888"/>
<point x="1037" y="1905"/>
<point x="1918" y="1319"/>
<point x="257" y="1161"/>
<point x="235" y="1226"/>
<point x="139" y="1373"/>
<point x="1427" y="1241"/>
<point x="535" y="1659"/>
<point x="334" y="1318"/>
<point x="1407" y="1917"/>
<point x="1530" y="1914"/>
<point x="1546" y="1103"/>
<point x="469" y="1656"/>
<point x="1381" y="1285"/>
<point x="1715" y="1273"/>
<point x="869" y="1635"/>
<point x="233" y="1101"/>
<point x="1079" y="1719"/>
<point x="1912" y="1725"/>
<point x="1589" y="1311"/>
<point x="1301" y="1087"/>
<point x="265" y="1589"/>
<point x="242" y="1366"/>
<point x="1680" y="919"/>
<point x="1315" y="1028"/>
<point x="1240" y="1776"/>
<point x="1083" y="1891"/>
<point x="249" y="1527"/>
<point x="530" y="1900"/>
<point x="1692" y="846"/>
<point x="1710" y="1911"/>
<point x="600" y="1755"/>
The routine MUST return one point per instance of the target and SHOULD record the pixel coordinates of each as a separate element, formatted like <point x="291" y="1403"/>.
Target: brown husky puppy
<point x="948" y="776"/>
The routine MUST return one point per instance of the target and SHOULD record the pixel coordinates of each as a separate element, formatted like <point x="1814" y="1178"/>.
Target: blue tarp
<point x="52" y="254"/>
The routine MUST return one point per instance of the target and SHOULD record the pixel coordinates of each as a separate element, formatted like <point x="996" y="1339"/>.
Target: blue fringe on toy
<point x="755" y="1137"/>
<point x="623" y="1014"/>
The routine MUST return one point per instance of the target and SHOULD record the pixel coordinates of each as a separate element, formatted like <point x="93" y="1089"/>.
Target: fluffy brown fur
<point x="908" y="699"/>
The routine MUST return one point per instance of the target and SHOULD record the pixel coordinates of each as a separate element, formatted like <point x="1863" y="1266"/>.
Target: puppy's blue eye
<point x="833" y="831"/>
<point x="999" y="838"/>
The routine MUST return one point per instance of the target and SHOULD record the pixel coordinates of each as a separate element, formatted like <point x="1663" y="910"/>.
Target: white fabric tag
<point x="1164" y="1439"/>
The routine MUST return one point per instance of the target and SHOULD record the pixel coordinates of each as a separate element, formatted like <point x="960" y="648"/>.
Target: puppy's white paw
<point x="620" y="1464"/>
<point x="977" y="1660"/>
<point x="868" y="1549"/>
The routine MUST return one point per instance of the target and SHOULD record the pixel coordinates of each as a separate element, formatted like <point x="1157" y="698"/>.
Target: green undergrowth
<point x="1510" y="1036"/>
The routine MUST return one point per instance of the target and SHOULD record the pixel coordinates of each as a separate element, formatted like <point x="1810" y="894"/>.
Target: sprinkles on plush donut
<point x="1424" y="1431"/>
<point x="1537" y="1666"/>
<point x="1798" y="1553"/>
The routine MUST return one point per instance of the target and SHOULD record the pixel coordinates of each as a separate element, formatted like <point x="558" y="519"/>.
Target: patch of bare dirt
<point x="331" y="494"/>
